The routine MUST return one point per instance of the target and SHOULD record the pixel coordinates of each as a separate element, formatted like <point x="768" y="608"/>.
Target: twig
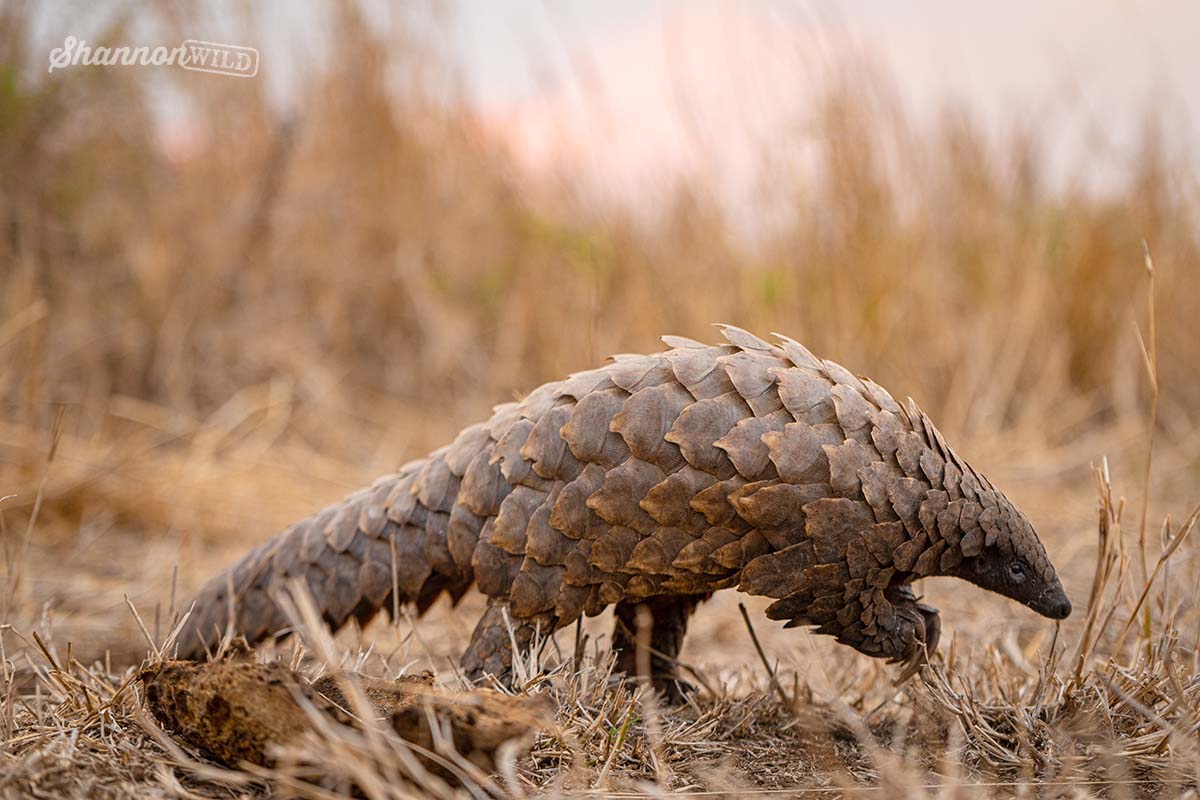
<point x="762" y="654"/>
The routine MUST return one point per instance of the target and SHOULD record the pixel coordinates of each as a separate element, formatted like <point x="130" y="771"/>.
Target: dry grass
<point x="199" y="345"/>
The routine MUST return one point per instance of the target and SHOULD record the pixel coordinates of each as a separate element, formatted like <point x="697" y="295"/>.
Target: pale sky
<point x="623" y="94"/>
<point x="624" y="91"/>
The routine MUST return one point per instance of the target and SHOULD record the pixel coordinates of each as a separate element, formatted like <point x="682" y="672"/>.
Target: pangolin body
<point x="660" y="479"/>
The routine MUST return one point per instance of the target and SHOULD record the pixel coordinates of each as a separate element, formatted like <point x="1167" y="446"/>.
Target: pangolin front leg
<point x="891" y="624"/>
<point x="924" y="646"/>
<point x="913" y="638"/>
<point x="669" y="618"/>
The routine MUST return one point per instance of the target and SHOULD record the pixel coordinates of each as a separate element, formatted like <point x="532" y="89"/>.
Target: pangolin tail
<point x="355" y="557"/>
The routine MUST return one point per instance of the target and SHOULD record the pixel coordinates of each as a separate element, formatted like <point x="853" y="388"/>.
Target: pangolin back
<point x="745" y="464"/>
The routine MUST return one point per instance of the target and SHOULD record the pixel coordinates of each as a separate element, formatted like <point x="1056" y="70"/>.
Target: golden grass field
<point x="196" y="351"/>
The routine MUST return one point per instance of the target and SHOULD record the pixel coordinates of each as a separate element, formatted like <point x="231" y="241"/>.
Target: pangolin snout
<point x="1060" y="608"/>
<point x="1053" y="603"/>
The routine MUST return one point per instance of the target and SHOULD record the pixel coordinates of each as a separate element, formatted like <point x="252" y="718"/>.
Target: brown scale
<point x="585" y="384"/>
<point x="588" y="434"/>
<point x="750" y="373"/>
<point x="714" y="504"/>
<point x="669" y="502"/>
<point x="646" y="418"/>
<point x="510" y="525"/>
<point x="571" y="513"/>
<point x="543" y="543"/>
<point x="611" y="552"/>
<point x="845" y="460"/>
<point x="618" y="500"/>
<point x="700" y="429"/>
<point x="741" y="551"/>
<point x="655" y="555"/>
<point x="798" y="451"/>
<point x="578" y="570"/>
<point x="777" y="509"/>
<point x="745" y="446"/>
<point x="506" y="454"/>
<point x="806" y="395"/>
<point x="658" y="479"/>
<point x="696" y="556"/>
<point x="547" y="450"/>
<point x="535" y="589"/>
<point x="462" y="533"/>
<point x="697" y="370"/>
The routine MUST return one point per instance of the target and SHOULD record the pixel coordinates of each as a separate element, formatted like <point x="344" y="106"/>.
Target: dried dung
<point x="243" y="711"/>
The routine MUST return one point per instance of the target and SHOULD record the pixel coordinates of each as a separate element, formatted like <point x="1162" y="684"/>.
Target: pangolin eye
<point x="1017" y="569"/>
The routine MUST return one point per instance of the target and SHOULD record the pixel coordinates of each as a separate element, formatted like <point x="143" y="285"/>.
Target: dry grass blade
<point x="1163" y="560"/>
<point x="1109" y="560"/>
<point x="154" y="648"/>
<point x="14" y="562"/>
<point x="1150" y="357"/>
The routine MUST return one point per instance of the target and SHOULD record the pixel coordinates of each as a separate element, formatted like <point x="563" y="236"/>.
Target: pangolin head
<point x="1016" y="565"/>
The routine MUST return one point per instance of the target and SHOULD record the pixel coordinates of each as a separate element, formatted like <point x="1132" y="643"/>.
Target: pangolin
<point x="655" y="481"/>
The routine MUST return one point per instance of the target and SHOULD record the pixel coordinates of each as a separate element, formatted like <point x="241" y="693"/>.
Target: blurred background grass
<point x="224" y="336"/>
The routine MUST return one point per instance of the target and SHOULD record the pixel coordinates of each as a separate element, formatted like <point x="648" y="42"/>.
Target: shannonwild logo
<point x="219" y="59"/>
